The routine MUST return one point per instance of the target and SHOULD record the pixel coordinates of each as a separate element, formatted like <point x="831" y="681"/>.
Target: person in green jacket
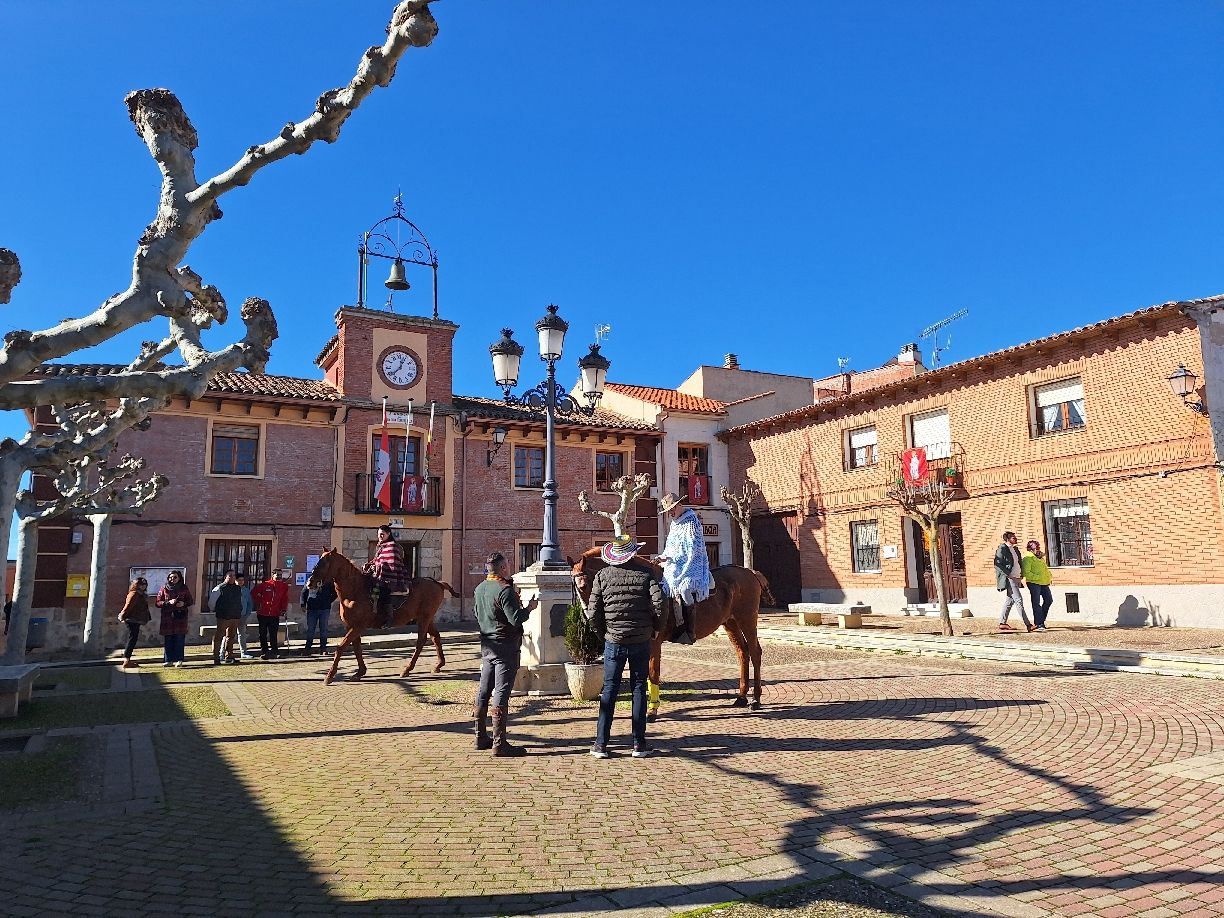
<point x="500" y="614"/>
<point x="1037" y="576"/>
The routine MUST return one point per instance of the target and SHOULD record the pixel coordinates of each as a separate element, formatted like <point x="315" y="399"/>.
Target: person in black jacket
<point x="626" y="605"/>
<point x="226" y="602"/>
<point x="317" y="606"/>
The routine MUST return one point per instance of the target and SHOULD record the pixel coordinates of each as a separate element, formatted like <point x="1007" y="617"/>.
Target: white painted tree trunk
<point x="10" y="479"/>
<point x="95" y="610"/>
<point x="945" y="617"/>
<point x="23" y="592"/>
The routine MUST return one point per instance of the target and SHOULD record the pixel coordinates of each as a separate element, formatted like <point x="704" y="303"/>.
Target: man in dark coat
<point x="1009" y="578"/>
<point x="626" y="606"/>
<point x="226" y="602"/>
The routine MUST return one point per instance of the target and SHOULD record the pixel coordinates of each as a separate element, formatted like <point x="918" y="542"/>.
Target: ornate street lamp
<point x="1184" y="384"/>
<point x="409" y="246"/>
<point x="507" y="354"/>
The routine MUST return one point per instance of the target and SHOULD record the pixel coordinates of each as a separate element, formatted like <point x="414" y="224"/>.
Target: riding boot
<point x="681" y="631"/>
<point x="501" y="746"/>
<point x="690" y="626"/>
<point x="384" y="610"/>
<point x="480" y="714"/>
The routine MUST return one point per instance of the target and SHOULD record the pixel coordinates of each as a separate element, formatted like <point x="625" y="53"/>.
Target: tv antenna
<point x="602" y="332"/>
<point x="932" y="332"/>
<point x="843" y="362"/>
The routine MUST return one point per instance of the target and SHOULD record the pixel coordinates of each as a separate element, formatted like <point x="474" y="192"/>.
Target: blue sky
<point x="792" y="181"/>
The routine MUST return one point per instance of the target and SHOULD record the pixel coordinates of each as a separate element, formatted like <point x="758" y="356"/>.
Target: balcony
<point x="366" y="502"/>
<point x="945" y="466"/>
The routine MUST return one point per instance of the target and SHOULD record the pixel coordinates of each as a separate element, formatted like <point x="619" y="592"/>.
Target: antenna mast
<point x="932" y="332"/>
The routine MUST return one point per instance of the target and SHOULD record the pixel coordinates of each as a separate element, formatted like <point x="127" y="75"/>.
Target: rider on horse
<point x="686" y="566"/>
<point x="387" y="574"/>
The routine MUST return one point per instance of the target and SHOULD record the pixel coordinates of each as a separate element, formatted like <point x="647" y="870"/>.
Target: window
<point x="865" y="543"/>
<point x="930" y="431"/>
<point x="1059" y="406"/>
<point x="235" y="449"/>
<point x="405" y="460"/>
<point x="528" y="554"/>
<point x="712" y="550"/>
<point x="693" y="460"/>
<point x="529" y="466"/>
<point x="608" y="468"/>
<point x="861" y="448"/>
<point x="1068" y="532"/>
<point x="248" y="557"/>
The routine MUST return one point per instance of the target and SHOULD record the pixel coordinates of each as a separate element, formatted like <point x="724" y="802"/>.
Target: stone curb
<point x="1095" y="658"/>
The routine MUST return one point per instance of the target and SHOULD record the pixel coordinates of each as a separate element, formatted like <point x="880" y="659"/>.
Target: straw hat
<point x="620" y="549"/>
<point x="669" y="501"/>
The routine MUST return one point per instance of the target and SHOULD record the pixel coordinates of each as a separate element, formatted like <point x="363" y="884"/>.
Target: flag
<point x="698" y="489"/>
<point x="914" y="467"/>
<point x="382" y="468"/>
<point x="428" y="450"/>
<point x="412" y="497"/>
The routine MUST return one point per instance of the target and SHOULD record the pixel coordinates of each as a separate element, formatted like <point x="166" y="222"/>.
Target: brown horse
<point x="357" y="611"/>
<point x="734" y="604"/>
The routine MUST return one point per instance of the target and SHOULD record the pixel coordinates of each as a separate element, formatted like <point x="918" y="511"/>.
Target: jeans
<point x="615" y="657"/>
<point x="269" y="634"/>
<point x="241" y="632"/>
<point x="223" y="638"/>
<point x="1014" y="598"/>
<point x="499" y="664"/>
<point x="176" y="648"/>
<point x="1042" y="599"/>
<point x="316" y="619"/>
<point x="133" y="637"/>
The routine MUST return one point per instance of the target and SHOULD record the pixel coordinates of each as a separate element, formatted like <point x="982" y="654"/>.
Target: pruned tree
<point x="86" y="484"/>
<point x="117" y="494"/>
<point x="740" y="507"/>
<point x="924" y="501"/>
<point x="161" y="285"/>
<point x="630" y="488"/>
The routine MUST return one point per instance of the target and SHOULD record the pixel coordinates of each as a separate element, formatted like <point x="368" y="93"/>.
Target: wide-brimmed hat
<point x="621" y="549"/>
<point x="669" y="501"/>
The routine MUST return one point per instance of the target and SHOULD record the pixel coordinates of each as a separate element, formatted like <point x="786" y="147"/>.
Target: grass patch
<point x="49" y="776"/>
<point x="442" y="692"/>
<point x="188" y="702"/>
<point x="76" y="679"/>
<point x="247" y="671"/>
<point x="625" y="698"/>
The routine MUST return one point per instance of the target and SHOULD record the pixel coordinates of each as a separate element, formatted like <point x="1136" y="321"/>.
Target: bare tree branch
<point x="630" y="488"/>
<point x="10" y="273"/>
<point x="740" y="508"/>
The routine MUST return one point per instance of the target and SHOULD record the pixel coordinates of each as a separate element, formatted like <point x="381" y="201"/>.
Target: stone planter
<point x="585" y="680"/>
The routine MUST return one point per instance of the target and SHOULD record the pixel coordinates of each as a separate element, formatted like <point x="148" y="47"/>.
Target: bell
<point x="396" y="280"/>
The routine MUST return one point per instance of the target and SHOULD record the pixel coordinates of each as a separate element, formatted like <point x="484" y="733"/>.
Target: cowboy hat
<point x="620" y="549"/>
<point x="669" y="501"/>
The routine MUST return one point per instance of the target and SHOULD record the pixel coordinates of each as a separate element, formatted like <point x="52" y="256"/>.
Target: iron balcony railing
<point x="366" y="502"/>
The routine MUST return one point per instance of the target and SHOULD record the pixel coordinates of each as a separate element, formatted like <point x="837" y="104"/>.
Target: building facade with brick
<point x="1075" y="440"/>
<point x="268" y="471"/>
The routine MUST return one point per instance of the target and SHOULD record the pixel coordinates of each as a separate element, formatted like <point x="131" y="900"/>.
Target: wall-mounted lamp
<point x="499" y="437"/>
<point x="1184" y="384"/>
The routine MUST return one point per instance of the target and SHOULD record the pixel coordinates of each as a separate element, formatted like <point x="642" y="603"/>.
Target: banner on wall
<point x="698" y="489"/>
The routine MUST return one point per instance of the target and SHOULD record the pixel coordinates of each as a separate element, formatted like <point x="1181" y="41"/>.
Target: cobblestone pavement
<point x="984" y="788"/>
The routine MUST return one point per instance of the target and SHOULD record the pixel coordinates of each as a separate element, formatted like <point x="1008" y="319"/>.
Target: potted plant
<point x="585" y="645"/>
<point x="952" y="476"/>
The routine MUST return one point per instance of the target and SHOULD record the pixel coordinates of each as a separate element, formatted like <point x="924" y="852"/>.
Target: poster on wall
<point x="312" y="561"/>
<point x="300" y="579"/>
<point x="156" y="576"/>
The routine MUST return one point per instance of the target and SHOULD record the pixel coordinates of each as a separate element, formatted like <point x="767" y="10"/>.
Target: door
<point x="775" y="550"/>
<point x="952" y="561"/>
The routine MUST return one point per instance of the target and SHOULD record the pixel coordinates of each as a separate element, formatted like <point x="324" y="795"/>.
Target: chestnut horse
<point x="419" y="607"/>
<point x="734" y="604"/>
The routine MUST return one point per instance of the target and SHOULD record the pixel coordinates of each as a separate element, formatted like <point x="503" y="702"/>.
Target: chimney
<point x="731" y="362"/>
<point x="909" y="354"/>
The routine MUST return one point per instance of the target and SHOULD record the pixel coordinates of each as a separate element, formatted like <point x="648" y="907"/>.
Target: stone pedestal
<point x="544" y="654"/>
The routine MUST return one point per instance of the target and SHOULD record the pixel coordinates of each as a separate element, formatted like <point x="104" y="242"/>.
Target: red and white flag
<point x="914" y="467"/>
<point x="382" y="467"/>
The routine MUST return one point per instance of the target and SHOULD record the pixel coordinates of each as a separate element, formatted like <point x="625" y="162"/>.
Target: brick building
<point x="1074" y="439"/>
<point x="267" y="471"/>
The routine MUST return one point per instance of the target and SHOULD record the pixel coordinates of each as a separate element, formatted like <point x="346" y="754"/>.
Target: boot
<point x="480" y="714"/>
<point x="501" y="747"/>
<point x="384" y="611"/>
<point x="680" y="633"/>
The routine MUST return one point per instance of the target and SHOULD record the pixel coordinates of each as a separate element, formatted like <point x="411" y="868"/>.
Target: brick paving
<point x="990" y="788"/>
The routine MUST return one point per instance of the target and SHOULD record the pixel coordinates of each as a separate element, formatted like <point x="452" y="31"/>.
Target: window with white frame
<point x="861" y="448"/>
<point x="1059" y="406"/>
<point x="865" y="544"/>
<point x="1068" y="532"/>
<point x="930" y="431"/>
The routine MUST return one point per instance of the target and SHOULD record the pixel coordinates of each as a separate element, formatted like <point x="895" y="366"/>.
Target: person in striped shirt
<point x="388" y="573"/>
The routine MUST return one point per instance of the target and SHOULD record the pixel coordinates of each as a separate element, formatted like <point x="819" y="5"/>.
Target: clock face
<point x="399" y="368"/>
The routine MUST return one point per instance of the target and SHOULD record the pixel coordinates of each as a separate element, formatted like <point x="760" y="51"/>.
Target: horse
<point x="357" y="611"/>
<point x="734" y="604"/>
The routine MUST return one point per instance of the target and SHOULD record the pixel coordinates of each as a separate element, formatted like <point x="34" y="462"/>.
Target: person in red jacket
<point x="271" y="599"/>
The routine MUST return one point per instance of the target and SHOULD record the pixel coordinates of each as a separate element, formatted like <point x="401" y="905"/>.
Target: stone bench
<point x="16" y="686"/>
<point x="207" y="631"/>
<point x="848" y="616"/>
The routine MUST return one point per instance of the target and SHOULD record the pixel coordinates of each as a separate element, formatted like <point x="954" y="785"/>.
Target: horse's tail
<point x="446" y="586"/>
<point x="766" y="595"/>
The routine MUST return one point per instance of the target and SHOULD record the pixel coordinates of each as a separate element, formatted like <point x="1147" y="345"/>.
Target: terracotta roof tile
<point x="798" y="415"/>
<point x="670" y="398"/>
<point x="239" y="383"/>
<point x="495" y="408"/>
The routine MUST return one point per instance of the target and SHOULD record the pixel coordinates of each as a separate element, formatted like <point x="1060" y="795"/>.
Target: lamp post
<point x="409" y="246"/>
<point x="507" y="355"/>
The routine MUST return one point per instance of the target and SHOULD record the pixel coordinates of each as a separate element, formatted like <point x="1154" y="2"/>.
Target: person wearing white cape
<point x="686" y="566"/>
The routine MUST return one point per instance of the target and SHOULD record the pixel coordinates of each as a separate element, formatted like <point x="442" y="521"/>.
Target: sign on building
<point x="710" y="529"/>
<point x="77" y="587"/>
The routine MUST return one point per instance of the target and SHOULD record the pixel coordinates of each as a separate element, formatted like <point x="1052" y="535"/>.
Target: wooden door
<point x="775" y="551"/>
<point x="952" y="561"/>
